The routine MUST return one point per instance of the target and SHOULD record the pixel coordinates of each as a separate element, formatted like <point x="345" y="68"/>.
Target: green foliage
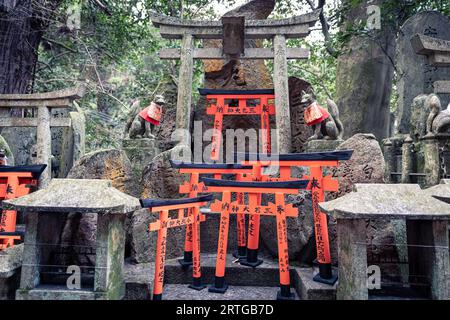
<point x="115" y="52"/>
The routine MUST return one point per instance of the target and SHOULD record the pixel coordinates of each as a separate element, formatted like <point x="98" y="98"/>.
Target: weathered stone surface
<point x="110" y="164"/>
<point x="143" y="242"/>
<point x="352" y="260"/>
<point x="440" y="192"/>
<point x="76" y="195"/>
<point x="10" y="264"/>
<point x="299" y="230"/>
<point x="308" y="289"/>
<point x="364" y="76"/>
<point x="103" y="164"/>
<point x="73" y="144"/>
<point x="300" y="131"/>
<point x="419" y="115"/>
<point x="394" y="201"/>
<point x="4" y="145"/>
<point x="160" y="180"/>
<point x="366" y="165"/>
<point x="322" y="145"/>
<point x="418" y="75"/>
<point x="140" y="152"/>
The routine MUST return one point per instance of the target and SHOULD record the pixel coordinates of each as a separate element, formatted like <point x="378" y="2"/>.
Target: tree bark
<point x="22" y="25"/>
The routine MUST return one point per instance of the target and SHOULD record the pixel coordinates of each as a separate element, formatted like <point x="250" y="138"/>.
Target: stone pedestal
<point x="10" y="264"/>
<point x="322" y="145"/>
<point x="140" y="152"/>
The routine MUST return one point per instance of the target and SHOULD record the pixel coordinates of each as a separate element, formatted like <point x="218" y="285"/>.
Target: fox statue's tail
<point x="334" y="112"/>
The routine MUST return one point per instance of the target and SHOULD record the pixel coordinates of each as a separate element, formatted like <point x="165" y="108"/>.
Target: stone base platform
<point x="10" y="267"/>
<point x="322" y="145"/>
<point x="244" y="283"/>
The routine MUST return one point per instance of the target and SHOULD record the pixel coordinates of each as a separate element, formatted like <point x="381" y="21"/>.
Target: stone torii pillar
<point x="276" y="30"/>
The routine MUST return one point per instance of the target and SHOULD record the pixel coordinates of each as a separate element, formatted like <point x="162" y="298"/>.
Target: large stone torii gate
<point x="279" y="30"/>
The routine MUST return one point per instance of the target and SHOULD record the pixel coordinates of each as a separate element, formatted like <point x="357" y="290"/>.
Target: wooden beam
<point x="33" y="122"/>
<point x="250" y="53"/>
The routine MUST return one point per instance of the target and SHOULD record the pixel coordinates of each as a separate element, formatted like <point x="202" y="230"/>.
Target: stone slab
<point x="322" y="145"/>
<point x="10" y="266"/>
<point x="308" y="289"/>
<point x="393" y="201"/>
<point x="139" y="280"/>
<point x="440" y="192"/>
<point x="76" y="195"/>
<point x="182" y="292"/>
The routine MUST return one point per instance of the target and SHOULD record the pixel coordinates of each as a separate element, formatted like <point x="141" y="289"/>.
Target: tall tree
<point x="22" y="25"/>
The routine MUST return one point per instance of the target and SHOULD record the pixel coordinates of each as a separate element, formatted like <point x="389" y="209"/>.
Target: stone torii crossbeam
<point x="43" y="122"/>
<point x="277" y="30"/>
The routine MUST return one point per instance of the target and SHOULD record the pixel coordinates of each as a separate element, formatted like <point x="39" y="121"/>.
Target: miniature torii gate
<point x="233" y="30"/>
<point x="195" y="187"/>
<point x="279" y="209"/>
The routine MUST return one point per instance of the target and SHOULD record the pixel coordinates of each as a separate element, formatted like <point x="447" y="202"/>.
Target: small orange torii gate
<point x="249" y="103"/>
<point x="194" y="187"/>
<point x="279" y="209"/>
<point x="15" y="182"/>
<point x="164" y="222"/>
<point x="319" y="184"/>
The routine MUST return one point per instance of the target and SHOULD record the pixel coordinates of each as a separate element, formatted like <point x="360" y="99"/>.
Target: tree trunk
<point x="22" y="24"/>
<point x="364" y="77"/>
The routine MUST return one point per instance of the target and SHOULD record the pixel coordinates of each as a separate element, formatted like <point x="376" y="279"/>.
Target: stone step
<point x="139" y="279"/>
<point x="181" y="292"/>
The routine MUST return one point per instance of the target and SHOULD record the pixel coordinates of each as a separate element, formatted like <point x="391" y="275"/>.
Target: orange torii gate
<point x="15" y="182"/>
<point x="164" y="222"/>
<point x="259" y="102"/>
<point x="279" y="209"/>
<point x="319" y="184"/>
<point x="194" y="187"/>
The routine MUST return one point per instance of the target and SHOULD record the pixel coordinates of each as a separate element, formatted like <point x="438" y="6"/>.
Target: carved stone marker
<point x="418" y="75"/>
<point x="41" y="279"/>
<point x="427" y="235"/>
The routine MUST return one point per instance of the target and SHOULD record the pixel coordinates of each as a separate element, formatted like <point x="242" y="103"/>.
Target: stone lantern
<point x="45" y="212"/>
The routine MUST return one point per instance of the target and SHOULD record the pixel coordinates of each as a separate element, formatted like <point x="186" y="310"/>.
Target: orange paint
<point x="160" y="259"/>
<point x="193" y="219"/>
<point x="12" y="185"/>
<point x="223" y="235"/>
<point x="220" y="109"/>
<point x="320" y="219"/>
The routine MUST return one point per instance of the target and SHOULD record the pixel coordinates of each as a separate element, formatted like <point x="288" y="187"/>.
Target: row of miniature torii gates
<point x="242" y="196"/>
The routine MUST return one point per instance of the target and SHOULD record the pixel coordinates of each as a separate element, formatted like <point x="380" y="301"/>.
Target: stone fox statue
<point x="438" y="120"/>
<point x="328" y="126"/>
<point x="142" y="122"/>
